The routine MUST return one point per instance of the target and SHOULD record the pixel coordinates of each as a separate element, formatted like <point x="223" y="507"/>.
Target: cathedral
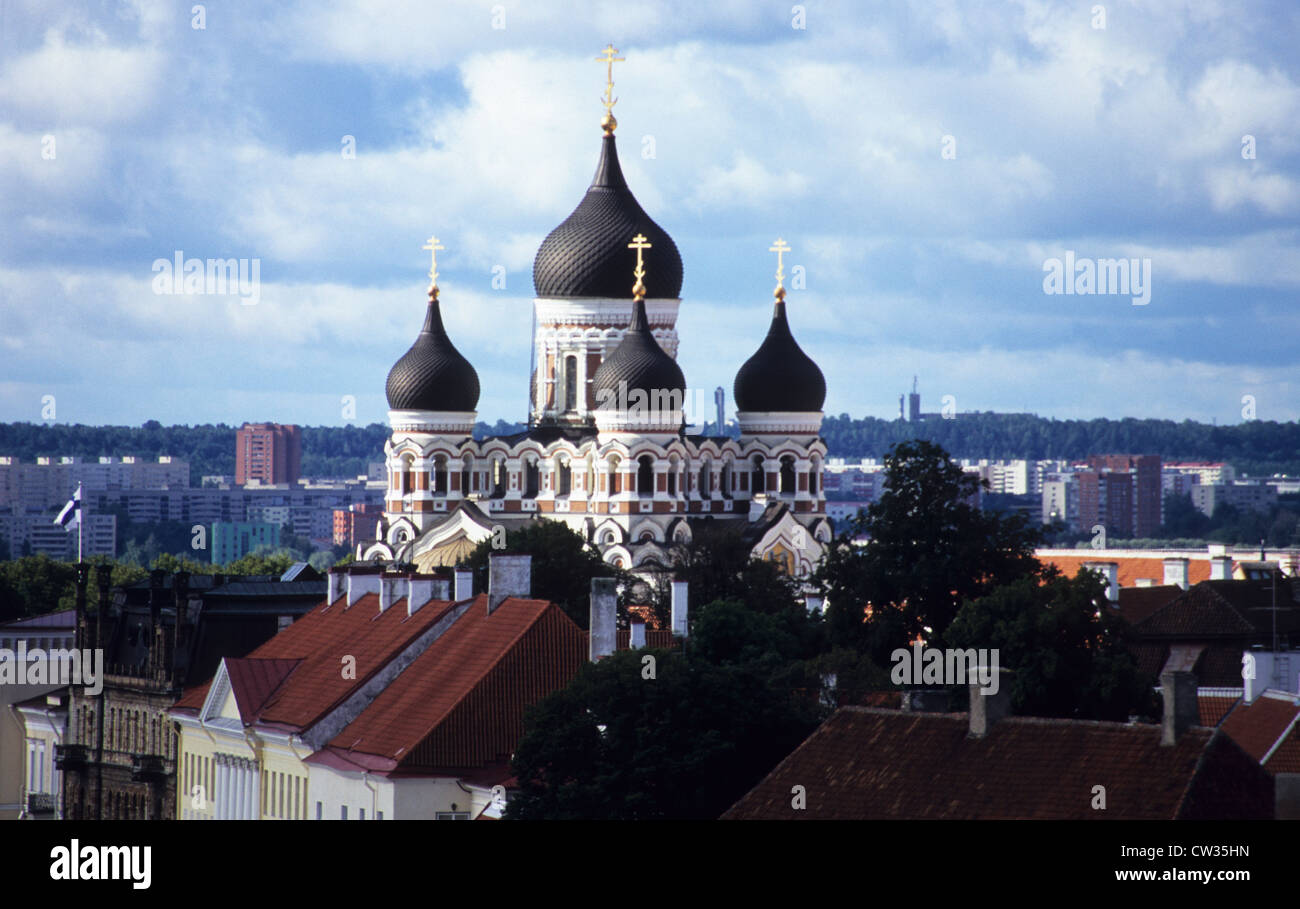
<point x="607" y="449"/>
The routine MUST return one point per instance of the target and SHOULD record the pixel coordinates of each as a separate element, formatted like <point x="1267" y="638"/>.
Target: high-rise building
<point x="267" y="453"/>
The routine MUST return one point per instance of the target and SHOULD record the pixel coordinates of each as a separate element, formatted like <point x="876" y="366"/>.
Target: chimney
<point x="757" y="505"/>
<point x="1181" y="710"/>
<point x="1220" y="568"/>
<point x="680" y="612"/>
<point x="814" y="604"/>
<point x="987" y="707"/>
<point x="419" y="590"/>
<point x="924" y="700"/>
<point x="508" y="576"/>
<point x="335" y="579"/>
<point x="604" y="616"/>
<point x="1176" y="572"/>
<point x="360" y="584"/>
<point x="637" y="640"/>
<point x="391" y="588"/>
<point x="1110" y="573"/>
<point x="464" y="584"/>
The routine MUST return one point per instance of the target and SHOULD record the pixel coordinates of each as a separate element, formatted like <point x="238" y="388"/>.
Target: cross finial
<point x="780" y="248"/>
<point x="433" y="246"/>
<point x="608" y="58"/>
<point x="639" y="243"/>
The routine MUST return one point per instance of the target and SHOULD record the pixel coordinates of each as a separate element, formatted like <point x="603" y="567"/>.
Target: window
<point x="440" y="476"/>
<point x="531" y="475"/>
<point x="363" y="814"/>
<point x="343" y="813"/>
<point x="787" y="475"/>
<point x="759" y="480"/>
<point x="645" y="476"/>
<point x="498" y="474"/>
<point x="672" y="479"/>
<point x="320" y="811"/>
<point x="725" y="482"/>
<point x="379" y="815"/>
<point x="705" y="491"/>
<point x="451" y="816"/>
<point x="570" y="383"/>
<point x="565" y="473"/>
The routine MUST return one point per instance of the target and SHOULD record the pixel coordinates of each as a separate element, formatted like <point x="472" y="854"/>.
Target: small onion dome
<point x="585" y="255"/>
<point x="641" y="363"/>
<point x="779" y="376"/>
<point x="433" y="375"/>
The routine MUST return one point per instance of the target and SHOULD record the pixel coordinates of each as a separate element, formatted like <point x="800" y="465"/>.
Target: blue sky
<point x="225" y="141"/>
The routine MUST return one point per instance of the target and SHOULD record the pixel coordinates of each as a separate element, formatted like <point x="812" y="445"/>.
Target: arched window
<point x="570" y="383"/>
<point x="406" y="479"/>
<point x="672" y="478"/>
<point x="645" y="476"/>
<point x="613" y="474"/>
<point x="787" y="475"/>
<point x="531" y="478"/>
<point x="705" y="481"/>
<point x="466" y="471"/>
<point x="440" y="475"/>
<point x="758" y="479"/>
<point x="725" y="480"/>
<point x="812" y="479"/>
<point x="565" y="478"/>
<point x="499" y="477"/>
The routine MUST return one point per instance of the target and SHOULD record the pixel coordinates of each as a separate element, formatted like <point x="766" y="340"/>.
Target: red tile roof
<point x="1258" y="726"/>
<point x="1131" y="568"/>
<point x="1136" y="603"/>
<point x="867" y="763"/>
<point x="320" y="641"/>
<point x="460" y="703"/>
<point x="1286" y="759"/>
<point x="254" y="681"/>
<point x="1214" y="707"/>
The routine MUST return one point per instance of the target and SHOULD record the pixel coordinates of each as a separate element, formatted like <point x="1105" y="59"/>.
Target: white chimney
<point x="1110" y="573"/>
<point x="1176" y="572"/>
<point x="604" y="617"/>
<point x="464" y="584"/>
<point x="389" y="590"/>
<point x="419" y="591"/>
<point x="361" y="584"/>
<point x="1220" y="568"/>
<point x="638" y="634"/>
<point x="508" y="576"/>
<point x="336" y="580"/>
<point x="680" y="609"/>
<point x="987" y="707"/>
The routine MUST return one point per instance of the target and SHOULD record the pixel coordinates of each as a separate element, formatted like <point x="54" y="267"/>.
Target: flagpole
<point x="81" y="523"/>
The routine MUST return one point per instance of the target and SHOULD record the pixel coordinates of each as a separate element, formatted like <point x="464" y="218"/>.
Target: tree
<point x="563" y="566"/>
<point x="685" y="743"/>
<point x="928" y="551"/>
<point x="719" y="564"/>
<point x="1065" y="645"/>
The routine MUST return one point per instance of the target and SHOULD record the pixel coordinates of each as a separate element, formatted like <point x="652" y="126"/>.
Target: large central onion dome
<point x="433" y="375"/>
<point x="780" y="377"/>
<point x="585" y="255"/>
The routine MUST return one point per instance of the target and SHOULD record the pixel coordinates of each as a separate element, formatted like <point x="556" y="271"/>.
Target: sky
<point x="926" y="162"/>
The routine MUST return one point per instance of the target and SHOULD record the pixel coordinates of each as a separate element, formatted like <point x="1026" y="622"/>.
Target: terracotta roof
<point x="866" y="763"/>
<point x="253" y="681"/>
<point x="460" y="703"/>
<point x="1136" y="603"/>
<point x="1258" y="726"/>
<point x="1131" y="568"/>
<point x="1214" y="707"/>
<point x="320" y="640"/>
<point x="1286" y="758"/>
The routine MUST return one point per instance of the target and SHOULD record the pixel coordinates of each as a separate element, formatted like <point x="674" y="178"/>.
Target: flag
<point x="70" y="516"/>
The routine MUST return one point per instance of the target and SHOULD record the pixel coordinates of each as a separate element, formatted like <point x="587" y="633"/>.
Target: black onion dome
<point x="641" y="363"/>
<point x="586" y="256"/>
<point x="780" y="376"/>
<point x="433" y="375"/>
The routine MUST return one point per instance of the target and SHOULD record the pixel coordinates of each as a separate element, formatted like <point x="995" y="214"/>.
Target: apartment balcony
<point x="70" y="757"/>
<point x="147" y="768"/>
<point x="40" y="804"/>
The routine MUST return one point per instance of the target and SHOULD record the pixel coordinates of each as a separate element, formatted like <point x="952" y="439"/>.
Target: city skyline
<point x="925" y="187"/>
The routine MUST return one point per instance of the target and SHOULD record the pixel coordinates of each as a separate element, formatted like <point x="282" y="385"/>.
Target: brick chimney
<point x="1181" y="710"/>
<point x="508" y="576"/>
<point x="987" y="708"/>
<point x="604" y="617"/>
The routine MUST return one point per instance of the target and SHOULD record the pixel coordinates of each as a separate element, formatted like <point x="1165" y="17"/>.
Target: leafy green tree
<point x="928" y="551"/>
<point x="685" y="743"/>
<point x="1065" y="645"/>
<point x="719" y="564"/>
<point x="563" y="566"/>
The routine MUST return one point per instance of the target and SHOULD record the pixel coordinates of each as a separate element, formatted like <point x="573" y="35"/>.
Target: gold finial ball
<point x="779" y="293"/>
<point x="608" y="123"/>
<point x="433" y="291"/>
<point x="638" y="289"/>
